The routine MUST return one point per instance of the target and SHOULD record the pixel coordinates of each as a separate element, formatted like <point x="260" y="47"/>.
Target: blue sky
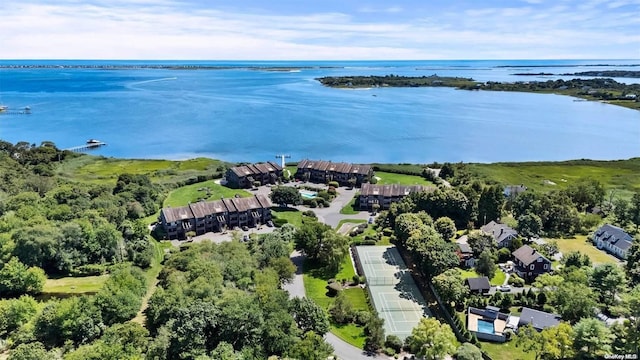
<point x="320" y="30"/>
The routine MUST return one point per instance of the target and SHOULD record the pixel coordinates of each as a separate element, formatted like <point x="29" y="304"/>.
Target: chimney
<point x="501" y="231"/>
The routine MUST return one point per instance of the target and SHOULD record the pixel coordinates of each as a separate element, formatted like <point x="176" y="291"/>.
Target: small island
<point x="598" y="89"/>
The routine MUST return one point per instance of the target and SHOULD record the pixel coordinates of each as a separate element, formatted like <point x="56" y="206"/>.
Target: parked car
<point x="245" y="228"/>
<point x="270" y="223"/>
<point x="505" y="288"/>
<point x="370" y="220"/>
<point x="245" y="238"/>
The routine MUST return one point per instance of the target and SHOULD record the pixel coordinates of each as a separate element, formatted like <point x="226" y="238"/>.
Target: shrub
<point x="387" y="232"/>
<point x="332" y="191"/>
<point x="389" y="351"/>
<point x="333" y="184"/>
<point x="373" y="180"/>
<point x="310" y="213"/>
<point x="368" y="242"/>
<point x="393" y="342"/>
<point x="356" y="279"/>
<point x="279" y="222"/>
<point x="313" y="203"/>
<point x="89" y="270"/>
<point x="361" y="317"/>
<point x="363" y="279"/>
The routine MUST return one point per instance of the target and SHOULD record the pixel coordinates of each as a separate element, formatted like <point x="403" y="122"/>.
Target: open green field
<point x="74" y="285"/>
<point x="506" y="351"/>
<point x="392" y="178"/>
<point x="207" y="190"/>
<point x="315" y="283"/>
<point x="582" y="244"/>
<point x="498" y="279"/>
<point x="292" y="215"/>
<point x="622" y="175"/>
<point x="106" y="170"/>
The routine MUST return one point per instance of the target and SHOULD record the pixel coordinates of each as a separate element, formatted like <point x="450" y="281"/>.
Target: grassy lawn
<point x="498" y="279"/>
<point x="349" y="209"/>
<point x="74" y="285"/>
<point x="292" y="215"/>
<point x="106" y="170"/>
<point x="506" y="351"/>
<point x="350" y="221"/>
<point x="192" y="193"/>
<point x="315" y="282"/>
<point x="582" y="244"/>
<point x="393" y="178"/>
<point x="623" y="175"/>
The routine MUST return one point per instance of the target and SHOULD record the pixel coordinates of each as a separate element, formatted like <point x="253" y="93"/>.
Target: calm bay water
<point x="243" y="114"/>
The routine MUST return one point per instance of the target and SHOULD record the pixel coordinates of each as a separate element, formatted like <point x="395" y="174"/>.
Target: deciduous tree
<point x="592" y="338"/>
<point x="608" y="281"/>
<point x="432" y="340"/>
<point x="486" y="265"/>
<point x="285" y="195"/>
<point x="445" y="227"/>
<point x="450" y="286"/>
<point x="309" y="316"/>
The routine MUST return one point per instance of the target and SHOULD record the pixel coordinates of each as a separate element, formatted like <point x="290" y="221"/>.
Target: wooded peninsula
<point x="599" y="89"/>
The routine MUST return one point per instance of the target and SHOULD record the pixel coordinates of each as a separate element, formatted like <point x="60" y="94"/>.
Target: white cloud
<point x="163" y="29"/>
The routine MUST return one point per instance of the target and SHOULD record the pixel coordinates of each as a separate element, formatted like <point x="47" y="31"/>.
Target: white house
<point x="613" y="239"/>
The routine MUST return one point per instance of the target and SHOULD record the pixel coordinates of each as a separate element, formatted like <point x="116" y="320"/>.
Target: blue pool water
<point x="485" y="327"/>
<point x="308" y="194"/>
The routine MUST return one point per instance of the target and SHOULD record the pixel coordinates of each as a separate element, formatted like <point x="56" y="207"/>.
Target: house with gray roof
<point x="465" y="254"/>
<point x="479" y="285"/>
<point x="324" y="171"/>
<point x="613" y="239"/>
<point x="539" y="320"/>
<point x="502" y="234"/>
<point x="385" y="195"/>
<point x="214" y="216"/>
<point x="529" y="263"/>
<point x="243" y="176"/>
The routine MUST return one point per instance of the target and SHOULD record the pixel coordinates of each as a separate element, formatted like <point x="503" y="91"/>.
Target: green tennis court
<point x="392" y="290"/>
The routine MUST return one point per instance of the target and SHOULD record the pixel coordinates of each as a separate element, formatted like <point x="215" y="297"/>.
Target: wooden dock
<point x="86" y="147"/>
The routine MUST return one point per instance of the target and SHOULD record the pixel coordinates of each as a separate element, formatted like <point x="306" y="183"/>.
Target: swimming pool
<point x="308" y="194"/>
<point x="485" y="326"/>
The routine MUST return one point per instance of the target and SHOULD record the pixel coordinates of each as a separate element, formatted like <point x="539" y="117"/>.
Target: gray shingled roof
<point x="479" y="283"/>
<point x="465" y="248"/>
<point x="615" y="236"/>
<point x="498" y="231"/>
<point x="527" y="255"/>
<point x="345" y="168"/>
<point x="538" y="319"/>
<point x="390" y="190"/>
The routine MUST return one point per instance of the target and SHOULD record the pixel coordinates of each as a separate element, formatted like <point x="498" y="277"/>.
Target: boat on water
<point x="93" y="142"/>
<point x="3" y="108"/>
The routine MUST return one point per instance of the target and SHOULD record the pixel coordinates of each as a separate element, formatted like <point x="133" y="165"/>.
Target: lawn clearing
<point x="207" y="190"/>
<point x="498" y="279"/>
<point x="506" y="351"/>
<point x="393" y="178"/>
<point x="292" y="215"/>
<point x="582" y="244"/>
<point x="350" y="209"/>
<point x="315" y="283"/>
<point x="74" y="285"/>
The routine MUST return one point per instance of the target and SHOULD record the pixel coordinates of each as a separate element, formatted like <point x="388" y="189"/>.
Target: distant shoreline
<point x="599" y="89"/>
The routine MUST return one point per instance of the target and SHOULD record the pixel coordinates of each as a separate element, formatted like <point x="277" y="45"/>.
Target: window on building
<point x="532" y="267"/>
